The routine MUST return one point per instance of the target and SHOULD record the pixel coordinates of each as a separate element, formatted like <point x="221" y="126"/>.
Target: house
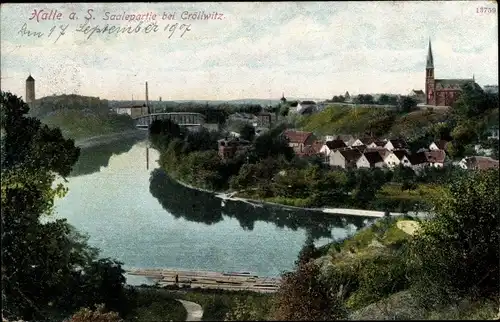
<point x="348" y="139"/>
<point x="332" y="146"/>
<point x="478" y="163"/>
<point x="298" y="140"/>
<point x="134" y="111"/>
<point x="364" y="141"/>
<point x="376" y="144"/>
<point x="396" y="144"/>
<point x="347" y="97"/>
<point x="371" y="159"/>
<point x="438" y="145"/>
<point x="245" y="118"/>
<point x="306" y="107"/>
<point x="265" y="119"/>
<point x="397" y="157"/>
<point x="382" y="151"/>
<point x="434" y="158"/>
<point x="229" y="146"/>
<point x="418" y="95"/>
<point x="345" y="158"/>
<point x="313" y="149"/>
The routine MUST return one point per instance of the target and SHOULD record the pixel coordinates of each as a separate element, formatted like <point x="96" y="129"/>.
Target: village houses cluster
<point x="346" y="151"/>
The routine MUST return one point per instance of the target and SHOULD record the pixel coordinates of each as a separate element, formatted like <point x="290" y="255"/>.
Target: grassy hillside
<point x="78" y="124"/>
<point x="80" y="117"/>
<point x="373" y="264"/>
<point x="343" y="119"/>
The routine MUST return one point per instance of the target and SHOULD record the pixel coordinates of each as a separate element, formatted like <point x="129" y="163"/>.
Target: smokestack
<point x="147" y="100"/>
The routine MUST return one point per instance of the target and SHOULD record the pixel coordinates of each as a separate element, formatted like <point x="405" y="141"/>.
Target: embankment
<point x="224" y="196"/>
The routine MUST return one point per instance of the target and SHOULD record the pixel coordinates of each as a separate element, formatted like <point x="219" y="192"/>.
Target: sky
<point x="250" y="50"/>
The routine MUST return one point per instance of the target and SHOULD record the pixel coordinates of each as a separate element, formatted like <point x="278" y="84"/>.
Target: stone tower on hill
<point x="30" y="90"/>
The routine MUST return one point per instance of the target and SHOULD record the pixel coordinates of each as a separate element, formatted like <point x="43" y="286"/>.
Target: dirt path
<point x="194" y="310"/>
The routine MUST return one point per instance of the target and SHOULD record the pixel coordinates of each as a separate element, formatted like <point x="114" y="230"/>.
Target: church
<point x="441" y="92"/>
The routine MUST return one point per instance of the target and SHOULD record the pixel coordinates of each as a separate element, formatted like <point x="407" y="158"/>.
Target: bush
<point x="456" y="254"/>
<point x="99" y="315"/>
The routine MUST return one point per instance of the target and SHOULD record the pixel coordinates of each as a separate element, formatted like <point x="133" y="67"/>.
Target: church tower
<point x="429" y="78"/>
<point x="30" y="90"/>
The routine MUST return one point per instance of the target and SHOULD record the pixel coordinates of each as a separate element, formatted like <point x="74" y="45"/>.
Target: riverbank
<point x="229" y="196"/>
<point x="108" y="138"/>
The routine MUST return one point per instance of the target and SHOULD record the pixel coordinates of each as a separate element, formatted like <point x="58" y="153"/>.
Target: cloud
<point x="259" y="49"/>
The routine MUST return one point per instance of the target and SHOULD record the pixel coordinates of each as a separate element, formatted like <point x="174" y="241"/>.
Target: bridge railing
<point x="179" y="118"/>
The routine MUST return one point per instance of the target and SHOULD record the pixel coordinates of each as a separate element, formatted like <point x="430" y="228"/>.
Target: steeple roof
<point x="430" y="59"/>
<point x="30" y="79"/>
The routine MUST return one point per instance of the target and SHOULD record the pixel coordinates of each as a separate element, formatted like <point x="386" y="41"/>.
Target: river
<point x="144" y="219"/>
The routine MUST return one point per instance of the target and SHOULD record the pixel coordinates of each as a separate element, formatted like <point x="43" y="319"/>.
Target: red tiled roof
<point x="297" y="136"/>
<point x="436" y="156"/>
<point x="481" y="163"/>
<point x="316" y="146"/>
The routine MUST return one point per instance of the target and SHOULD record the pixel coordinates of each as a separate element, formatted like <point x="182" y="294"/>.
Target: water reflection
<point x="202" y="207"/>
<point x="93" y="158"/>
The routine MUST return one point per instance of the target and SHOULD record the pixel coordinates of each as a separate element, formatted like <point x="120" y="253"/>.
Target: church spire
<point x="430" y="59"/>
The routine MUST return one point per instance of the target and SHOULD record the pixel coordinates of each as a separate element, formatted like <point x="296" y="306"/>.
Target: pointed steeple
<point x="430" y="59"/>
<point x="283" y="99"/>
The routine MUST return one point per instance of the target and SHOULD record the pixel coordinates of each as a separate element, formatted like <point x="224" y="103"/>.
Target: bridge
<point x="182" y="118"/>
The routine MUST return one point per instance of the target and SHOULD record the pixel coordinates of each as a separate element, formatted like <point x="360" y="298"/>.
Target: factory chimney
<point x="147" y="100"/>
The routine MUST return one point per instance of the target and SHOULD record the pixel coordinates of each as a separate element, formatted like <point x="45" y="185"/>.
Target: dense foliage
<point x="447" y="268"/>
<point x="457" y="253"/>
<point x="48" y="270"/>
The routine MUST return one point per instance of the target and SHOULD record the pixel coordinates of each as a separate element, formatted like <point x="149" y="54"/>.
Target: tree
<point x="456" y="253"/>
<point x="247" y="132"/>
<point x="407" y="104"/>
<point x="42" y="264"/>
<point x="284" y="110"/>
<point x="383" y="99"/>
<point x="304" y="296"/>
<point x="307" y="252"/>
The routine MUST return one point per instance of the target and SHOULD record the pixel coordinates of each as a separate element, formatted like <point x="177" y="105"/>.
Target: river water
<point x="144" y="219"/>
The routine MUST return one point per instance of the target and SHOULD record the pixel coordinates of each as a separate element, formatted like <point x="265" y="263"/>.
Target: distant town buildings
<point x="441" y="92"/>
<point x="134" y="111"/>
<point x="493" y="89"/>
<point x="418" y="95"/>
<point x="306" y="107"/>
